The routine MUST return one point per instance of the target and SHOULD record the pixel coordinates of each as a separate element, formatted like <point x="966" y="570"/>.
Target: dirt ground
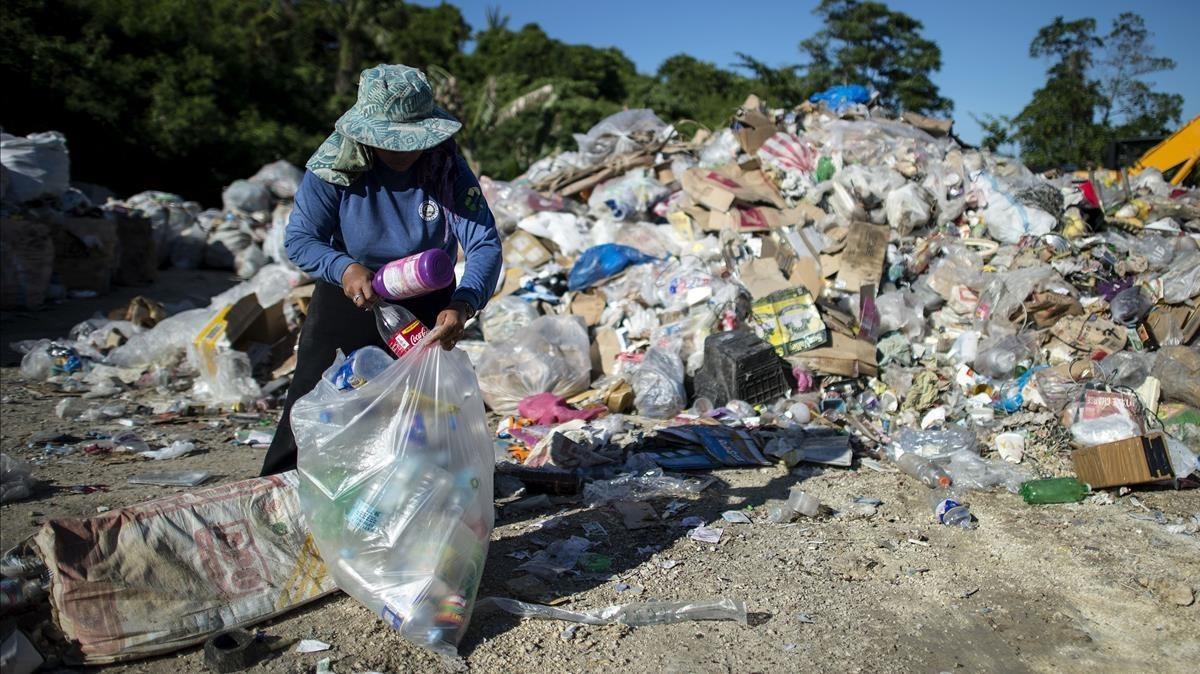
<point x="1086" y="587"/>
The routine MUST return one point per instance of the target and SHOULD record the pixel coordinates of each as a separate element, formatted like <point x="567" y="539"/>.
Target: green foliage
<point x="1094" y="92"/>
<point x="868" y="43"/>
<point x="187" y="95"/>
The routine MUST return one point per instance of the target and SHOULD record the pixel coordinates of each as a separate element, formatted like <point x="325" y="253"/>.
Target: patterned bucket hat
<point x="395" y="111"/>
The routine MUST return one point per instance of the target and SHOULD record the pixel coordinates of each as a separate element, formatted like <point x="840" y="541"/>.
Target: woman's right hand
<point x="356" y="284"/>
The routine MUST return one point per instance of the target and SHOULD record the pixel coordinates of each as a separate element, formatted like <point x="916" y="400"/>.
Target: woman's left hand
<point x="449" y="327"/>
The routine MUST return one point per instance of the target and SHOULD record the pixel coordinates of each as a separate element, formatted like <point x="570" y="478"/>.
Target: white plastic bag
<point x="281" y="177"/>
<point x="396" y="481"/>
<point x="908" y="208"/>
<point x="37" y="165"/>
<point x="552" y="354"/>
<point x="245" y="196"/>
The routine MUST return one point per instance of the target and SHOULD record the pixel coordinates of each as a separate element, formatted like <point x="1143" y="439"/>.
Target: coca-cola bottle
<point x="398" y="327"/>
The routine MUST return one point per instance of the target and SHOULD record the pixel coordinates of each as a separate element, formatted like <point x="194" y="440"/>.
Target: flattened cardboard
<point x="844" y="356"/>
<point x="589" y="306"/>
<point x="862" y="259"/>
<point x="761" y="276"/>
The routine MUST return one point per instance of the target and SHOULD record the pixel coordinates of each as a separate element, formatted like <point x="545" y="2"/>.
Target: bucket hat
<point x="395" y="111"/>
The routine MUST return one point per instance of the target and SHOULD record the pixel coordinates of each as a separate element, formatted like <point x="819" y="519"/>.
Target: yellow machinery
<point x="1180" y="151"/>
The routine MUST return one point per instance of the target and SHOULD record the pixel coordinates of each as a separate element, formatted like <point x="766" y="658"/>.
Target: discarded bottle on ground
<point x="928" y="472"/>
<point x="948" y="510"/>
<point x="1053" y="490"/>
<point x="398" y="327"/>
<point x="414" y="275"/>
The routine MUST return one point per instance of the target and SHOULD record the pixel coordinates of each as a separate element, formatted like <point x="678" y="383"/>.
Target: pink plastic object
<point x="414" y="275"/>
<point x="549" y="409"/>
<point x="804" y="379"/>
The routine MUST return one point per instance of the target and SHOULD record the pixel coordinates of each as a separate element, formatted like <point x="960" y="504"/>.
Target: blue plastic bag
<point x="842" y="96"/>
<point x="604" y="261"/>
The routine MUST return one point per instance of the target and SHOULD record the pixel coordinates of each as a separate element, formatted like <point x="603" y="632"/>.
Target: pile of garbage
<point x="827" y="284"/>
<point x="70" y="241"/>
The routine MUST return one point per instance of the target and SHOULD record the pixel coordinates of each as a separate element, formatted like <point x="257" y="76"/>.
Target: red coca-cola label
<point x="403" y="340"/>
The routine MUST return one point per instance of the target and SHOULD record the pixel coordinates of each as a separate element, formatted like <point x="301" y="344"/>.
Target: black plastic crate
<point x="739" y="365"/>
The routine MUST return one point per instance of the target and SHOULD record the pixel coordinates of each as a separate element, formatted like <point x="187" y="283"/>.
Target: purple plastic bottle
<point x="414" y="275"/>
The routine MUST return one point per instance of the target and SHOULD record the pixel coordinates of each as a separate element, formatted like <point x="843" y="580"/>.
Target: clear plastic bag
<point x="968" y="470"/>
<point x="908" y="208"/>
<point x="16" y="479"/>
<point x="505" y="318"/>
<point x="396" y="483"/>
<point x="720" y="150"/>
<point x="163" y="343"/>
<point x="619" y="134"/>
<point x="231" y="383"/>
<point x="658" y="385"/>
<point x="634" y="615"/>
<point x="626" y="197"/>
<point x="551" y="355"/>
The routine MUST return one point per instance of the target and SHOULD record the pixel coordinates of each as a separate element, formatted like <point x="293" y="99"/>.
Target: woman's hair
<point x="438" y="174"/>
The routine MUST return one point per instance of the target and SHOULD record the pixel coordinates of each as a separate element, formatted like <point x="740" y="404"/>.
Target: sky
<point x="986" y="68"/>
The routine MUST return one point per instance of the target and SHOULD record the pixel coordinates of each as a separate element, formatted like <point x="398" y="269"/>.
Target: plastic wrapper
<point x="1127" y="368"/>
<point x="901" y="310"/>
<point x="16" y="479"/>
<point x="635" y="615"/>
<point x="506" y="317"/>
<point x="551" y="355"/>
<point x="246" y="196"/>
<point x="968" y="470"/>
<point x="396" y="481"/>
<point x="641" y="485"/>
<point x="658" y="385"/>
<point x="934" y="443"/>
<point x="1105" y="429"/>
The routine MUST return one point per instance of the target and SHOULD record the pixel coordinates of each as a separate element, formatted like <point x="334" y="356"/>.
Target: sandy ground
<point x="1075" y="588"/>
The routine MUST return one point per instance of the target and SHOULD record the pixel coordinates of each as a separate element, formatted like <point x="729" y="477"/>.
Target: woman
<point x="386" y="184"/>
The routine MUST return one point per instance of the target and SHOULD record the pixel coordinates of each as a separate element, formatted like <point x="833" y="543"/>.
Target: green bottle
<point x="1054" y="490"/>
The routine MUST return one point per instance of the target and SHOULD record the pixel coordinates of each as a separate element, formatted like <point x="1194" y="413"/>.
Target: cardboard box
<point x="861" y="262"/>
<point x="587" y="305"/>
<point x="523" y="250"/>
<point x="789" y="321"/>
<point x="224" y="330"/>
<point x="752" y="127"/>
<point x="1131" y="461"/>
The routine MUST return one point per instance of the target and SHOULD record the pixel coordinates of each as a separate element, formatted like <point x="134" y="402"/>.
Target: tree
<point x="868" y="43"/>
<point x="1057" y="128"/>
<point x="1094" y="92"/>
<point x="1130" y="107"/>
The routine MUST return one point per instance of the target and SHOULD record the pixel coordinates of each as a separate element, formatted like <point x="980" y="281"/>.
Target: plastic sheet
<point x="842" y="97"/>
<point x="658" y="385"/>
<point x="934" y="443"/>
<point x="37" y="165"/>
<point x="601" y="262"/>
<point x="162" y="344"/>
<point x="551" y="355"/>
<point x="396" y="480"/>
<point x="635" y="615"/>
<point x="641" y="485"/>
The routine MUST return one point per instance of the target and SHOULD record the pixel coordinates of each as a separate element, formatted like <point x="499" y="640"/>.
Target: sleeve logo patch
<point x="471" y="199"/>
<point x="429" y="210"/>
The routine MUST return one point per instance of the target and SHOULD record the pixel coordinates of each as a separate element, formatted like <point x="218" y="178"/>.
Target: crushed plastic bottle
<point x="948" y="510"/>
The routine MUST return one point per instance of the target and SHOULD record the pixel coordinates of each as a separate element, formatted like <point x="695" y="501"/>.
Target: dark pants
<point x="333" y="323"/>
